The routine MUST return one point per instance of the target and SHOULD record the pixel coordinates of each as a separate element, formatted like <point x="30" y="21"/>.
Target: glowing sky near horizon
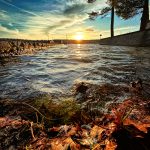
<point x="54" y="19"/>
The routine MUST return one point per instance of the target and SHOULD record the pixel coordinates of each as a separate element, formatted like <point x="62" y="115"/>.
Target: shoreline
<point x="34" y="125"/>
<point x="133" y="39"/>
<point x="20" y="47"/>
<point x="78" y="124"/>
<point x="41" y="123"/>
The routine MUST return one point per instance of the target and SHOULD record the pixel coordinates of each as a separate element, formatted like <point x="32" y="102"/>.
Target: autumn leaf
<point x="110" y="145"/>
<point x="96" y="132"/>
<point x="72" y="131"/>
<point x="71" y="143"/>
<point x="140" y="126"/>
<point x="97" y="147"/>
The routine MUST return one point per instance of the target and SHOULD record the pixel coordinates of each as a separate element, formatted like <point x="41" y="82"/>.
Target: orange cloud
<point x="90" y="30"/>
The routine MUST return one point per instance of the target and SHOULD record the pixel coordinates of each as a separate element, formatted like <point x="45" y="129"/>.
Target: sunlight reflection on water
<point x="58" y="68"/>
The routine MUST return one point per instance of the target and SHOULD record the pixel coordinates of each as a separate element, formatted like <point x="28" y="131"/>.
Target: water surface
<point x="57" y="69"/>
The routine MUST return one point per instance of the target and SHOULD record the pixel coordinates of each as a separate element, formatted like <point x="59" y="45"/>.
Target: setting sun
<point x="79" y="36"/>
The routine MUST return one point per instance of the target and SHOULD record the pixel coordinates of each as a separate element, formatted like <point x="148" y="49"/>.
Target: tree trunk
<point x="112" y="21"/>
<point x="145" y="15"/>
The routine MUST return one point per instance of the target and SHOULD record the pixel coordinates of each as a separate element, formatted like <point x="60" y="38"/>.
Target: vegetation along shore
<point x="44" y="124"/>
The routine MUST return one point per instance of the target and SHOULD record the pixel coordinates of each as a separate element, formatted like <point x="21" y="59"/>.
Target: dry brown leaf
<point x="87" y="142"/>
<point x="146" y="119"/>
<point x="73" y="145"/>
<point x="72" y="131"/>
<point x="3" y="122"/>
<point x="6" y="121"/>
<point x="97" y="147"/>
<point x="56" y="144"/>
<point x="96" y="131"/>
<point x="141" y="126"/>
<point x="110" y="145"/>
<point x="55" y="129"/>
<point x="85" y="133"/>
<point x="112" y="127"/>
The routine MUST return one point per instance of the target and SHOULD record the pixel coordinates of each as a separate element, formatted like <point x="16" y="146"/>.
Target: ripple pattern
<point x="58" y="68"/>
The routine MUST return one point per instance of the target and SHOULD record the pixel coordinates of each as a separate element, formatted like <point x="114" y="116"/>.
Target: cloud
<point x="5" y="29"/>
<point x="10" y="24"/>
<point x="61" y="16"/>
<point x="22" y="10"/>
<point x="59" y="25"/>
<point x="121" y="30"/>
<point x="90" y="29"/>
<point x="51" y="17"/>
<point x="126" y="28"/>
<point x="3" y="15"/>
<point x="82" y="7"/>
<point x="74" y="9"/>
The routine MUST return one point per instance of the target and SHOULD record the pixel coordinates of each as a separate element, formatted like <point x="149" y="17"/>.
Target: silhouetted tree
<point x="104" y="12"/>
<point x="129" y="8"/>
<point x="145" y="15"/>
<point x="125" y="9"/>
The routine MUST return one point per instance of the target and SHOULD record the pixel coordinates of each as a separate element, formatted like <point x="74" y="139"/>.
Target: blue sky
<point x="53" y="19"/>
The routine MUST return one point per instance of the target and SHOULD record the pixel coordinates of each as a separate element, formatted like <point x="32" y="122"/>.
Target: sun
<point x="79" y="36"/>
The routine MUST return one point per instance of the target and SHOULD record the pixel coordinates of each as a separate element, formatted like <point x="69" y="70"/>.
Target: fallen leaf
<point x="72" y="131"/>
<point x="140" y="126"/>
<point x="96" y="132"/>
<point x="110" y="145"/>
<point x="73" y="145"/>
<point x="97" y="147"/>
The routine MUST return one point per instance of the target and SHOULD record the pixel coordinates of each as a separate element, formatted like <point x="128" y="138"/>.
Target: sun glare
<point x="79" y="36"/>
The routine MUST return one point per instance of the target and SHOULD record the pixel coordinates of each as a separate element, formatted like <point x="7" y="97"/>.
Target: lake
<point x="57" y="69"/>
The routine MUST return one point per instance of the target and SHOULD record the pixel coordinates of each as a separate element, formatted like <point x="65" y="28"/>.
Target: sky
<point x="58" y="19"/>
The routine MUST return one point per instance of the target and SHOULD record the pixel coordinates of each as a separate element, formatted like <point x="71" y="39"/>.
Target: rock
<point x="81" y="88"/>
<point x="18" y="47"/>
<point x="136" y="87"/>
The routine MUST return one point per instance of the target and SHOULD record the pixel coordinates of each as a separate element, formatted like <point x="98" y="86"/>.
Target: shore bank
<point x="19" y="47"/>
<point x="139" y="39"/>
<point x="46" y="125"/>
<point x="26" y="127"/>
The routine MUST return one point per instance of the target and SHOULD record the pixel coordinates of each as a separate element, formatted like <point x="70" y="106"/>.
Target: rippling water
<point x="56" y="69"/>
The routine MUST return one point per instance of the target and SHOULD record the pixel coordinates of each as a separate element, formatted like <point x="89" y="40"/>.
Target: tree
<point x="104" y="12"/>
<point x="125" y="9"/>
<point x="145" y="15"/>
<point x="129" y="8"/>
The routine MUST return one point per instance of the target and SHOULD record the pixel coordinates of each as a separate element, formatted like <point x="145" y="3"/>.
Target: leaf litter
<point x="126" y="126"/>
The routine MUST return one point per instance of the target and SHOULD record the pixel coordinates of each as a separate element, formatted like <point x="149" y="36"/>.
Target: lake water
<point x="57" y="69"/>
